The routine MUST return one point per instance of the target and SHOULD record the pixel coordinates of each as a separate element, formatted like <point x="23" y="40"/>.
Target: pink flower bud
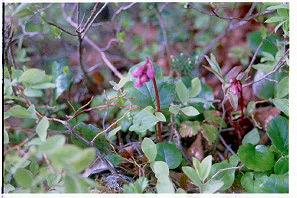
<point x="150" y="69"/>
<point x="235" y="86"/>
<point x="138" y="84"/>
<point x="138" y="71"/>
<point x="143" y="78"/>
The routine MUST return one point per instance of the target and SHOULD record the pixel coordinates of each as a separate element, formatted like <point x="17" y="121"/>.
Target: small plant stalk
<point x="159" y="124"/>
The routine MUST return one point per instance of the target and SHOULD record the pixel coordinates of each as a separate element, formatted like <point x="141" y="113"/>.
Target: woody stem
<point x="159" y="124"/>
<point x="241" y="102"/>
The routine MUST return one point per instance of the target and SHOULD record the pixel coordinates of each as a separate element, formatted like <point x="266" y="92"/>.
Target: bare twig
<point x="248" y="69"/>
<point x="226" y="145"/>
<point x="90" y="42"/>
<point x="230" y="27"/>
<point x="226" y="169"/>
<point x="164" y="33"/>
<point x="60" y="28"/>
<point x="87" y="27"/>
<point x="122" y="8"/>
<point x="110" y="126"/>
<point x="279" y="64"/>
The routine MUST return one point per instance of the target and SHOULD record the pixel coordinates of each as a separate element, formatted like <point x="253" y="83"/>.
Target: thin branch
<point x="110" y="126"/>
<point x="87" y="27"/>
<point x="226" y="145"/>
<point x="248" y="69"/>
<point x="164" y="33"/>
<point x="225" y="169"/>
<point x="279" y="64"/>
<point x="122" y="8"/>
<point x="60" y="28"/>
<point x="90" y="42"/>
<point x="230" y="27"/>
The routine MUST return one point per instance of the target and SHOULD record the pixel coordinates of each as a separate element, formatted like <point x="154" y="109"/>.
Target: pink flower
<point x="236" y="86"/>
<point x="144" y="73"/>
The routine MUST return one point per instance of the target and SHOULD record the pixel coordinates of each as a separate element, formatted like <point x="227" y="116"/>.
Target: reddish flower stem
<point x="159" y="124"/>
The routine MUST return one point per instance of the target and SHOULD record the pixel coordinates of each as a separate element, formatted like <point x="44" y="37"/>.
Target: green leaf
<point x="275" y="19"/>
<point x="62" y="76"/>
<point x="252" y="137"/>
<point x="282" y="104"/>
<point x="113" y="132"/>
<point x="115" y="159"/>
<point x="282" y="165"/>
<point x="8" y="188"/>
<point x="275" y="184"/>
<point x="42" y="127"/>
<point x="23" y="178"/>
<point x="278" y="6"/>
<point x="21" y="112"/>
<point x="203" y="168"/>
<point x="32" y="92"/>
<point x="72" y="158"/>
<point x="88" y="132"/>
<point x="192" y="175"/>
<point x="282" y="88"/>
<point x="161" y="170"/>
<point x="75" y="184"/>
<point x="278" y="133"/>
<point x="137" y="187"/>
<point x="190" y="111"/>
<point x="121" y="84"/>
<point x="189" y="128"/>
<point x="214" y="64"/>
<point x="261" y="183"/>
<point x="212" y="186"/>
<point x="258" y="158"/>
<point x="169" y="153"/>
<point x="227" y="176"/>
<point x="52" y="143"/>
<point x="53" y="179"/>
<point x="174" y="109"/>
<point x="182" y="92"/>
<point x="45" y="85"/>
<point x="210" y="132"/>
<point x="160" y="116"/>
<point x="195" y="87"/>
<point x="149" y="148"/>
<point x="143" y="121"/>
<point x="32" y="76"/>
<point x="233" y="99"/>
<point x="6" y="137"/>
<point x="212" y="116"/>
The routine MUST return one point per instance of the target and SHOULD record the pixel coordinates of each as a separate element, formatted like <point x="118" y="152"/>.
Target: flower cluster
<point x="144" y="73"/>
<point x="236" y="86"/>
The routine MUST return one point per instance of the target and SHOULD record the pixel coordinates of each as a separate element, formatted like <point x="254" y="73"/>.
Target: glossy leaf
<point x="161" y="170"/>
<point x="210" y="133"/>
<point x="137" y="187"/>
<point x="226" y="176"/>
<point x="251" y="137"/>
<point x="190" y="111"/>
<point x="278" y="133"/>
<point x="149" y="148"/>
<point x="258" y="158"/>
<point x="195" y="87"/>
<point x="32" y="76"/>
<point x="282" y="104"/>
<point x="282" y="165"/>
<point x="182" y="92"/>
<point x="23" y="178"/>
<point x="169" y="153"/>
<point x="52" y="143"/>
<point x="282" y="88"/>
<point x="41" y="128"/>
